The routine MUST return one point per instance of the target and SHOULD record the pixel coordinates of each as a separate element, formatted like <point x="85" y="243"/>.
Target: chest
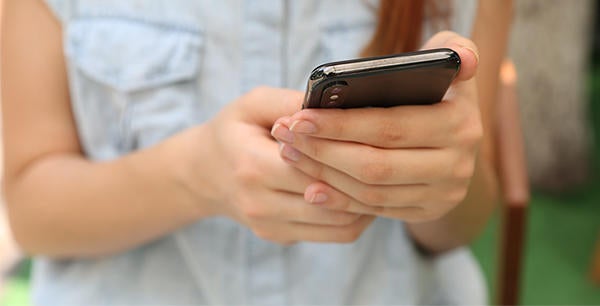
<point x="142" y="70"/>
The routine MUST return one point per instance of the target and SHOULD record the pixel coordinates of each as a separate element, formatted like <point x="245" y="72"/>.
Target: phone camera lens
<point x="336" y="90"/>
<point x="334" y="95"/>
<point x="332" y="103"/>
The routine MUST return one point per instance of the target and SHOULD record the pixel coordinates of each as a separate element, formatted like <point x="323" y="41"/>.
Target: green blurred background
<point x="562" y="230"/>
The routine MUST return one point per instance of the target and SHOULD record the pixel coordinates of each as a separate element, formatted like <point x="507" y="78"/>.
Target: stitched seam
<point x="141" y="20"/>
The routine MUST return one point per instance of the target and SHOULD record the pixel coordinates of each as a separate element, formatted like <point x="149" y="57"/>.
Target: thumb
<point x="466" y="49"/>
<point x="264" y="105"/>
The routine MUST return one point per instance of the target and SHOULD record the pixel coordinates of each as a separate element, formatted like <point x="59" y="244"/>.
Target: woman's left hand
<point x="412" y="163"/>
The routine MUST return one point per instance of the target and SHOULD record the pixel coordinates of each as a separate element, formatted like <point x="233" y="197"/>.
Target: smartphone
<point x="414" y="78"/>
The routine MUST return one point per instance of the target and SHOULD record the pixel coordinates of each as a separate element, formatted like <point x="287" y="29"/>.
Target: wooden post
<point x="550" y="45"/>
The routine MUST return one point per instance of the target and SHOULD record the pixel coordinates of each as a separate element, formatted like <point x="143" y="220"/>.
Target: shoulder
<point x="60" y="8"/>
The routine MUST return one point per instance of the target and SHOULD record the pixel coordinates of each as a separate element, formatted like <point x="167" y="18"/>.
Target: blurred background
<point x="555" y="46"/>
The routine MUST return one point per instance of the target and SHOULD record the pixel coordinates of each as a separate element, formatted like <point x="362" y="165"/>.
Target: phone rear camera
<point x="334" y="94"/>
<point x="336" y="89"/>
<point x="332" y="103"/>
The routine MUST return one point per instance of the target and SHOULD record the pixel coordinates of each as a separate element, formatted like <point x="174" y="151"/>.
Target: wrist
<point x="182" y="158"/>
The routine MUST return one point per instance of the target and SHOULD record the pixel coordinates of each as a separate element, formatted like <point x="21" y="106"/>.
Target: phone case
<point x="413" y="78"/>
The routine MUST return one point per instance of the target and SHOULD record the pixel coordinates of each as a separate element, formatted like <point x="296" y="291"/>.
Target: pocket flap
<point x="132" y="55"/>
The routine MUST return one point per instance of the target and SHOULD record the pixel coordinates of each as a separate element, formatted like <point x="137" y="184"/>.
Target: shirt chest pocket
<point x="133" y="82"/>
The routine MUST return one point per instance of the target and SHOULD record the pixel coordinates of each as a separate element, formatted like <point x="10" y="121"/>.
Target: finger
<point x="284" y="232"/>
<point x="324" y="195"/>
<point x="466" y="49"/>
<point x="418" y="213"/>
<point x="342" y="234"/>
<point x="394" y="127"/>
<point x="264" y="105"/>
<point x="264" y="166"/>
<point x="280" y="130"/>
<point x="360" y="193"/>
<point x="469" y="55"/>
<point x="400" y="127"/>
<point x="293" y="208"/>
<point x="376" y="166"/>
<point x="350" y="195"/>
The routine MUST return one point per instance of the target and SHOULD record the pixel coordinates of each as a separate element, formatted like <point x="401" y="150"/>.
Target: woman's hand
<point x="412" y="163"/>
<point x="249" y="183"/>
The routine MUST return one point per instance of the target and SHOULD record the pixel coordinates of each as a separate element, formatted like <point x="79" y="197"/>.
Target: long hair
<point x="400" y="25"/>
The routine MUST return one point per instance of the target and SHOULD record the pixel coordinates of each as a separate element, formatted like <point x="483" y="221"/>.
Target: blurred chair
<point x="596" y="264"/>
<point x="514" y="187"/>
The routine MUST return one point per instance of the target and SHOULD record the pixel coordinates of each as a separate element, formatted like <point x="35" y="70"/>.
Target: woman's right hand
<point x="236" y="168"/>
<point x="229" y="166"/>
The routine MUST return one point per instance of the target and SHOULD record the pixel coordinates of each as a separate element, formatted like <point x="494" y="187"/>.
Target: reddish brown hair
<point x="400" y="25"/>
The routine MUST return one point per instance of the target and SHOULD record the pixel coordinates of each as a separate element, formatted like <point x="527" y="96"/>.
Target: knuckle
<point x="454" y="115"/>
<point x="372" y="197"/>
<point x="433" y="170"/>
<point x="388" y="133"/>
<point x="446" y="33"/>
<point x="338" y="129"/>
<point x="457" y="195"/>
<point x="318" y="171"/>
<point x="259" y="91"/>
<point x="428" y="215"/>
<point x="334" y="123"/>
<point x="471" y="133"/>
<point x="309" y="147"/>
<point x="345" y="218"/>
<point x="344" y="204"/>
<point x="247" y="171"/>
<point x="350" y="234"/>
<point x="463" y="170"/>
<point x="317" y="151"/>
<point x="375" y="170"/>
<point x="254" y="211"/>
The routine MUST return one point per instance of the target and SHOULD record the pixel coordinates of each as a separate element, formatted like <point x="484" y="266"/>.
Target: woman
<point x="149" y="175"/>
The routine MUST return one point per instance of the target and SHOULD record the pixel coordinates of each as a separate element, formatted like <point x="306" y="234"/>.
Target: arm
<point x="465" y="222"/>
<point x="61" y="204"/>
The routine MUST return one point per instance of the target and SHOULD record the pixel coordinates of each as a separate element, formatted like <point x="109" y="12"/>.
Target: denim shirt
<point x="142" y="70"/>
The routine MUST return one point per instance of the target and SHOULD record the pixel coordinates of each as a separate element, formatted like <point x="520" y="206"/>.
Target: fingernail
<point x="281" y="133"/>
<point x="475" y="54"/>
<point x="318" y="198"/>
<point x="303" y="127"/>
<point x="290" y="153"/>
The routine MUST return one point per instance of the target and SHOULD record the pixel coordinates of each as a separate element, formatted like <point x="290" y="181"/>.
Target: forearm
<point x="460" y="226"/>
<point x="67" y="206"/>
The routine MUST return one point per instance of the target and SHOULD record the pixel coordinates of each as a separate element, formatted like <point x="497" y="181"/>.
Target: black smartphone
<point x="413" y="78"/>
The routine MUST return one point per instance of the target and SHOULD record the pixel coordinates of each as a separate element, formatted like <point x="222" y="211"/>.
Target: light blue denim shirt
<point x="142" y="70"/>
